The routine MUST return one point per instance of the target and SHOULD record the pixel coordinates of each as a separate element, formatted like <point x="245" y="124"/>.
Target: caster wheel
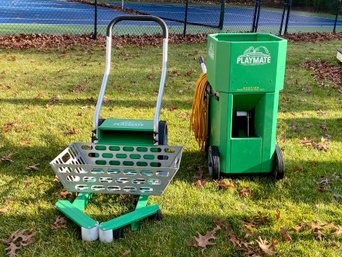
<point x="118" y="233"/>
<point x="157" y="216"/>
<point x="214" y="162"/>
<point x="279" y="166"/>
<point x="162" y="133"/>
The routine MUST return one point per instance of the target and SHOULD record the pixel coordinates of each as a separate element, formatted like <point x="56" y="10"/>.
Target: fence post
<point x="282" y="17"/>
<point x="186" y="16"/>
<point x="95" y="21"/>
<point x="338" y="5"/>
<point x="221" y="15"/>
<point x="256" y="15"/>
<point x="289" y="5"/>
<point x="287" y="9"/>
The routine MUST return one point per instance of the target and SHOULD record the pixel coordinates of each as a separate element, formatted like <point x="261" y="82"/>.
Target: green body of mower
<point x="245" y="73"/>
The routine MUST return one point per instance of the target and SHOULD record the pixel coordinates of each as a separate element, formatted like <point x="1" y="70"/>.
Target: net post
<point x="221" y="22"/>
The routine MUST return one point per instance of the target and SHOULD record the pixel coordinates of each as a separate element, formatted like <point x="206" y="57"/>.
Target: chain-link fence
<point x="181" y="16"/>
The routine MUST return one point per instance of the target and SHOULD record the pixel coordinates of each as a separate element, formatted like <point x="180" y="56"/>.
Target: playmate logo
<point x="128" y="124"/>
<point x="254" y="56"/>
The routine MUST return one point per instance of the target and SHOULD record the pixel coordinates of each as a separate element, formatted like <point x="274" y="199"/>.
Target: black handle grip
<point x="137" y="18"/>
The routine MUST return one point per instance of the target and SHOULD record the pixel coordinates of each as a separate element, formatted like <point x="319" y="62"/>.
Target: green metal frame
<point x="74" y="211"/>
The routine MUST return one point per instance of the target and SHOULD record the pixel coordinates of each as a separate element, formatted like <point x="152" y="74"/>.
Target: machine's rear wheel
<point x="162" y="133"/>
<point x="279" y="166"/>
<point x="157" y="216"/>
<point x="118" y="233"/>
<point x="214" y="162"/>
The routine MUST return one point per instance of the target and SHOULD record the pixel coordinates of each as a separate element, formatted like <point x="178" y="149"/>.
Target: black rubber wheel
<point x="157" y="216"/>
<point x="162" y="133"/>
<point x="279" y="166"/>
<point x="118" y="233"/>
<point x="214" y="162"/>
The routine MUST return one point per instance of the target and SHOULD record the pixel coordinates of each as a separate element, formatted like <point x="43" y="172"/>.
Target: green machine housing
<point x="245" y="73"/>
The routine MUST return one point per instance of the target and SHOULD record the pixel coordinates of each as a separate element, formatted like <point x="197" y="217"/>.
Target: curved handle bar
<point x="107" y="68"/>
<point x="137" y="18"/>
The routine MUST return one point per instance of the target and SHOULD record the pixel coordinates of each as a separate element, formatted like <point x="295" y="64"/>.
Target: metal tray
<point x="116" y="169"/>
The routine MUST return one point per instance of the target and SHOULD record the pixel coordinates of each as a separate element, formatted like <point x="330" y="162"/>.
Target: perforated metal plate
<point x="94" y="168"/>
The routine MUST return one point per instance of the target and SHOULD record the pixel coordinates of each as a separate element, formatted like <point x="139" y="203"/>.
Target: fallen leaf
<point x="337" y="196"/>
<point x="234" y="239"/>
<point x="19" y="239"/>
<point x="225" y="184"/>
<point x="285" y="235"/>
<point x="221" y="223"/>
<point x="71" y="131"/>
<point x="12" y="249"/>
<point x="7" y="127"/>
<point x="33" y="167"/>
<point x="277" y="214"/>
<point x="60" y="222"/>
<point x="338" y="231"/>
<point x="323" y="181"/>
<point x="172" y="108"/>
<point x="24" y="142"/>
<point x="7" y="158"/>
<point x="244" y="192"/>
<point x="64" y="194"/>
<point x="265" y="246"/>
<point x="4" y="209"/>
<point x="203" y="241"/>
<point x="318" y="234"/>
<point x="200" y="183"/>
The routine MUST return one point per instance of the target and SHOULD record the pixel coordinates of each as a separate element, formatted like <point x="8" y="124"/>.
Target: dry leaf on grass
<point x="244" y="192"/>
<point x="4" y="209"/>
<point x="337" y="196"/>
<point x="19" y="239"/>
<point x="338" y="231"/>
<point x="202" y="241"/>
<point x="266" y="247"/>
<point x="225" y="184"/>
<point x="200" y="183"/>
<point x="60" y="222"/>
<point x="71" y="131"/>
<point x="221" y="223"/>
<point x="7" y="127"/>
<point x="33" y="167"/>
<point x="285" y="235"/>
<point x="7" y="157"/>
<point x="64" y="194"/>
<point x="318" y="234"/>
<point x="320" y="146"/>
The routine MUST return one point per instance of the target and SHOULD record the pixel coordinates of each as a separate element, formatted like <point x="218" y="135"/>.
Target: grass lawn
<point x="47" y="101"/>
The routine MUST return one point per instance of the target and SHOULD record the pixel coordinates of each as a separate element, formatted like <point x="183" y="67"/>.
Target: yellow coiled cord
<point x="198" y="118"/>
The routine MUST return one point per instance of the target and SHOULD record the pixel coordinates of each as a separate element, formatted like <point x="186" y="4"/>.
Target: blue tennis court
<point x="54" y="12"/>
<point x="72" y="13"/>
